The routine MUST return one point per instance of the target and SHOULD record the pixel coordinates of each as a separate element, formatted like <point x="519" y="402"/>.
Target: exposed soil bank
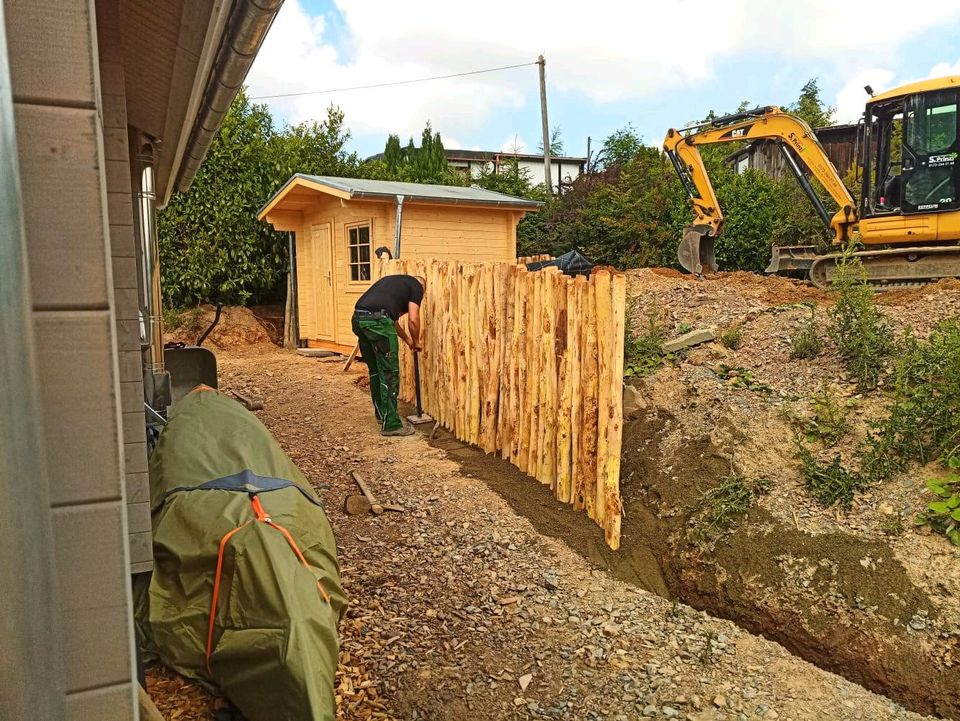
<point x="842" y="602"/>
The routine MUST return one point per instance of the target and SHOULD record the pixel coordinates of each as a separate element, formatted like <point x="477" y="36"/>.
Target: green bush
<point x="922" y="422"/>
<point x="212" y="247"/>
<point x="718" y="510"/>
<point x="805" y="344"/>
<point x="861" y="332"/>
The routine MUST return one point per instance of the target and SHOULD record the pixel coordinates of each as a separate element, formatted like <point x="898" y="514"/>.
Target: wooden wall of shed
<point x="60" y="134"/>
<point x="428" y="231"/>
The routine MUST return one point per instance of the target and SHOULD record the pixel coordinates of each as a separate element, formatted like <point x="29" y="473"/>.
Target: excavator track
<point x="895" y="268"/>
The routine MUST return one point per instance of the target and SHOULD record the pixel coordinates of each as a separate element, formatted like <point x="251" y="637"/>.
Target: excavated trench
<point x="810" y="593"/>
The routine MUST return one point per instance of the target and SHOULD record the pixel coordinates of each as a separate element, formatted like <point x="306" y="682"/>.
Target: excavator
<point x="907" y="223"/>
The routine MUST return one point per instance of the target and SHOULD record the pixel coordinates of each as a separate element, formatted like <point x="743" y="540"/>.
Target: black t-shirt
<point x="391" y="294"/>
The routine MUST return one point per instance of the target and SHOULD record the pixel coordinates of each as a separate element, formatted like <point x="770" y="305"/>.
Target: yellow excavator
<point x="908" y="218"/>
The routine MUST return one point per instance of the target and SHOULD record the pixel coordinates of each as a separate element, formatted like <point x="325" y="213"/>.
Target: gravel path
<point x="460" y="610"/>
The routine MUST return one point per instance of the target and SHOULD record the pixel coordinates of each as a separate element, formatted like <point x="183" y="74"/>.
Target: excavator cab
<point x="910" y="148"/>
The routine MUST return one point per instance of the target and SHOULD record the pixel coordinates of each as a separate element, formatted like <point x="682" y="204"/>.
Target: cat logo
<point x="737" y="132"/>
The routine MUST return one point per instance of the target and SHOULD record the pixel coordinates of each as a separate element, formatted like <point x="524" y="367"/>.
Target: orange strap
<point x="216" y="589"/>
<point x="261" y="517"/>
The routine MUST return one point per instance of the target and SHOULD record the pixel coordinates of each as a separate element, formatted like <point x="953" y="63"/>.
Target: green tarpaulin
<point x="218" y="480"/>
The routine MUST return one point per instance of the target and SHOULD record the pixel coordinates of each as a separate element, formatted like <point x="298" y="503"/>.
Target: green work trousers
<point x="381" y="352"/>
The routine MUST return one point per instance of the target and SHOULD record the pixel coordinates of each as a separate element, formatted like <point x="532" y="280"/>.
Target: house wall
<point x="562" y="171"/>
<point x="59" y="117"/>
<point x="126" y="304"/>
<point x="428" y="231"/>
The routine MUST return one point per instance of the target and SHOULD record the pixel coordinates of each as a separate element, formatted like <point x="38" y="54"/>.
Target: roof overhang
<point x="184" y="62"/>
<point x="298" y="193"/>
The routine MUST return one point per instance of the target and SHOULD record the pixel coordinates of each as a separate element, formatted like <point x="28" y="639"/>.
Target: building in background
<point x="107" y="107"/>
<point x="340" y="223"/>
<point x="839" y="141"/>
<point x="563" y="170"/>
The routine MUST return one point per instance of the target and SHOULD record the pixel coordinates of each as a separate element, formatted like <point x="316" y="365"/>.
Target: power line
<point x="397" y="82"/>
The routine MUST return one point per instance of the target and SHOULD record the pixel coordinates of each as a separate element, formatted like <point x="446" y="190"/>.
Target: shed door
<point x="325" y="299"/>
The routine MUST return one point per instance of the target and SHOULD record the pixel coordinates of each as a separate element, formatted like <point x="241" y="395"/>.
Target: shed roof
<point x="388" y="190"/>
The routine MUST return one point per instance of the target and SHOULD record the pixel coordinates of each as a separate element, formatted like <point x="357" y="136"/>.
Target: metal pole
<point x="396" y="240"/>
<point x="416" y="381"/>
<point x="547" y="174"/>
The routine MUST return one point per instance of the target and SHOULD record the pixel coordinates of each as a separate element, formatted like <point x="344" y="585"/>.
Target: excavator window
<point x="930" y="168"/>
<point x="882" y="160"/>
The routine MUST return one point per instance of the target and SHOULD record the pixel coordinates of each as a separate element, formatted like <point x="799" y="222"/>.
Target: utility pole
<point x="548" y="176"/>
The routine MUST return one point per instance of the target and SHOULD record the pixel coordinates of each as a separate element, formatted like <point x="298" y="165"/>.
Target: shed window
<point x="359" y="245"/>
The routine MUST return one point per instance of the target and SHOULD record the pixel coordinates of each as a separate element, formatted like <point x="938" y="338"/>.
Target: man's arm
<point x="402" y="333"/>
<point x="413" y="323"/>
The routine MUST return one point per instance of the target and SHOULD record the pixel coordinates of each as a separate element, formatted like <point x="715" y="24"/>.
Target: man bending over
<point x="376" y="322"/>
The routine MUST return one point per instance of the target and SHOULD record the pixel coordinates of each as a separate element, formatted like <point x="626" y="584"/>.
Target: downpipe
<point x="156" y="380"/>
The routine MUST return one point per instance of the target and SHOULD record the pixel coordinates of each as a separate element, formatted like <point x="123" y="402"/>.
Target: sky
<point x="609" y="63"/>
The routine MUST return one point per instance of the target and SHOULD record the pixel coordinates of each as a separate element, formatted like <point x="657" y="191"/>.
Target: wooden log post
<point x="518" y="396"/>
<point x="574" y="319"/>
<point x="564" y="343"/>
<point x="546" y="442"/>
<point x="604" y="314"/>
<point x="614" y="504"/>
<point x="531" y="406"/>
<point x="588" y="386"/>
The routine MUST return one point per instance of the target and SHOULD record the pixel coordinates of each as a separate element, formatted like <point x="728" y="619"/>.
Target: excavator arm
<point x="799" y="146"/>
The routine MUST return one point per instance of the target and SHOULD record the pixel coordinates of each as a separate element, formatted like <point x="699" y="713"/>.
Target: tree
<point x="556" y="143"/>
<point x="511" y="179"/>
<point x="393" y="153"/>
<point x="212" y="247"/>
<point x="620" y="147"/>
<point x="810" y="106"/>
<point x="412" y="164"/>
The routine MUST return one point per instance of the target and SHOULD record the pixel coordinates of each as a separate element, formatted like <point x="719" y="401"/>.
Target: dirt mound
<point x="238" y="326"/>
<point x="860" y="592"/>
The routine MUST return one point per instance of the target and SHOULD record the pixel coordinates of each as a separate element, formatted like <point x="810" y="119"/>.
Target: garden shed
<point x="340" y="223"/>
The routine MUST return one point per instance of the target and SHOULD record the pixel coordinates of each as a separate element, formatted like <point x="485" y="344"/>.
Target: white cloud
<point x="606" y="51"/>
<point x="943" y="69"/>
<point x="851" y="98"/>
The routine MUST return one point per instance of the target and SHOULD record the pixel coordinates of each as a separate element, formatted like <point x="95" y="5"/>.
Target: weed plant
<point x="805" y="344"/>
<point x="861" y="332"/>
<point x="720" y="509"/>
<point x="643" y="352"/>
<point x="732" y="337"/>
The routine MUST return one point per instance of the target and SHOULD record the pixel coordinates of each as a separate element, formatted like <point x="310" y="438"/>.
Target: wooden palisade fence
<point x="528" y="364"/>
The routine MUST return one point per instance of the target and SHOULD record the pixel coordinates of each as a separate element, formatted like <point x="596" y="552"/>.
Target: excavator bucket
<point x="696" y="254"/>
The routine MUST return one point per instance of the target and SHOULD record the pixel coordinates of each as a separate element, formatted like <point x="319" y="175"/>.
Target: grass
<point x="732" y="337"/>
<point x="720" y="509"/>
<point x="861" y="332"/>
<point x="643" y="352"/>
<point x="805" y="344"/>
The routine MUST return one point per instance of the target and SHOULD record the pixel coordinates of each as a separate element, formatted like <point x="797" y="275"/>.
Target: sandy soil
<point x="468" y="606"/>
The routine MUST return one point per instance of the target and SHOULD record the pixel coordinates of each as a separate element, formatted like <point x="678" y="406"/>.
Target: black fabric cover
<point x="571" y="263"/>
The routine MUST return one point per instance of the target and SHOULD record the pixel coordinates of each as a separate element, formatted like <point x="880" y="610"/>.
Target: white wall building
<point x="563" y="170"/>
